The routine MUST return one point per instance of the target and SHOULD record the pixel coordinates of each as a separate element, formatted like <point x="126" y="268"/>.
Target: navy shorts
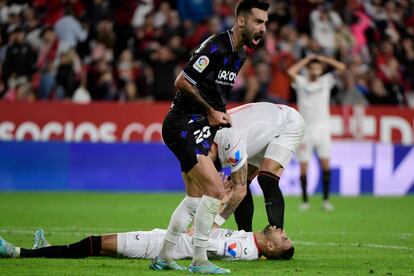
<point x="187" y="135"/>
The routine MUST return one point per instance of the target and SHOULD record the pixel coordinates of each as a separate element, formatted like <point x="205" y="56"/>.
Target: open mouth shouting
<point x="255" y="40"/>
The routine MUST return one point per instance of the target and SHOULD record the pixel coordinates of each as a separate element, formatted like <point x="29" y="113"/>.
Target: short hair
<point x="314" y="61"/>
<point x="247" y="5"/>
<point x="285" y="255"/>
<point x="288" y="254"/>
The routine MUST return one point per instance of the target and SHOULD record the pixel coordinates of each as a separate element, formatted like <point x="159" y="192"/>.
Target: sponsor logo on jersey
<point x="201" y="63"/>
<point x="231" y="249"/>
<point x="224" y="75"/>
<point x="234" y="161"/>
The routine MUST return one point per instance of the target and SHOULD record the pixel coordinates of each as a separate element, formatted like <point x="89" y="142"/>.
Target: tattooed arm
<point x="238" y="191"/>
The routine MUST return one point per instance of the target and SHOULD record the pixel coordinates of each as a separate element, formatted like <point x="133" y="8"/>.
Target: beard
<point x="251" y="39"/>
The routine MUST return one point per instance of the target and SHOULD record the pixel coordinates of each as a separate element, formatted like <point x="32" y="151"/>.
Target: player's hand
<point x="190" y="231"/>
<point x="218" y="118"/>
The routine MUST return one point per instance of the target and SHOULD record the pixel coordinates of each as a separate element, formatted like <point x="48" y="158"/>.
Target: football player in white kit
<point x="261" y="143"/>
<point x="223" y="244"/>
<point x="313" y="95"/>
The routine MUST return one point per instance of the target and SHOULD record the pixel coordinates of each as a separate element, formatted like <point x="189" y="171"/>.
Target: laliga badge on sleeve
<point x="201" y="63"/>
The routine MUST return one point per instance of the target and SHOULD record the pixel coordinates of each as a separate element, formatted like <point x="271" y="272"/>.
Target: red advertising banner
<point x="116" y="122"/>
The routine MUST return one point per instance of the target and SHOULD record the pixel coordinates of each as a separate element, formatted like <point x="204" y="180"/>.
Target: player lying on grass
<point x="223" y="244"/>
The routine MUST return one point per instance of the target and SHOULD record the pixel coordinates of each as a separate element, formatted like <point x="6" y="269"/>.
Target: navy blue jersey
<point x="212" y="69"/>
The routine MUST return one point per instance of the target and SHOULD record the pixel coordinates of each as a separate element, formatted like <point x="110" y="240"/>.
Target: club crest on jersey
<point x="231" y="249"/>
<point x="234" y="161"/>
<point x="201" y="63"/>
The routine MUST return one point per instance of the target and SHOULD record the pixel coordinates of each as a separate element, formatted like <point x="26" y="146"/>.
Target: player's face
<point x="278" y="237"/>
<point x="315" y="70"/>
<point x="254" y="27"/>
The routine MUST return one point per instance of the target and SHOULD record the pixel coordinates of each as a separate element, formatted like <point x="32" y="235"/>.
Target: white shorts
<point x="282" y="147"/>
<point x="140" y="244"/>
<point x="147" y="244"/>
<point x="319" y="139"/>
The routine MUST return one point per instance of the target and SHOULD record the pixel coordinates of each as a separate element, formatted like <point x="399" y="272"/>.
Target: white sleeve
<point x="231" y="148"/>
<point x="299" y="82"/>
<point x="236" y="156"/>
<point x="329" y="80"/>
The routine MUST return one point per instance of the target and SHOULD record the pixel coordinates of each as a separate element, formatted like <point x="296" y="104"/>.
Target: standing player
<point x="261" y="143"/>
<point x="313" y="94"/>
<point x="197" y="112"/>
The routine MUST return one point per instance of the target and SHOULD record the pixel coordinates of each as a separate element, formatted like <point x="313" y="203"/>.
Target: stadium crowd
<point x="83" y="50"/>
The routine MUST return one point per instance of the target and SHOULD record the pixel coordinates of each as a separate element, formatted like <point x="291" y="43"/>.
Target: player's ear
<point x="270" y="245"/>
<point x="241" y="21"/>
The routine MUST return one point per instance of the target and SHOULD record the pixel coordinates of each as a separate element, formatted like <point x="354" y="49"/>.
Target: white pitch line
<point x="358" y="245"/>
<point x="344" y="233"/>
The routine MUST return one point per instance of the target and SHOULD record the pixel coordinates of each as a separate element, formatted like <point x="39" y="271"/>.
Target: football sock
<point x="180" y="219"/>
<point x="326" y="184"/>
<point x="90" y="246"/>
<point x="304" y="185"/>
<point x="203" y="222"/>
<point x="244" y="212"/>
<point x="274" y="201"/>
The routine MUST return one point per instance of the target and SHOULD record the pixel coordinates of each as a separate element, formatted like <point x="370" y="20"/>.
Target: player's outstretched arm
<point x="238" y="191"/>
<point x="215" y="118"/>
<point x="294" y="70"/>
<point x="339" y="66"/>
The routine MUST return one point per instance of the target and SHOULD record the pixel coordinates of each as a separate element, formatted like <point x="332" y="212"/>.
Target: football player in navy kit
<point x="197" y="112"/>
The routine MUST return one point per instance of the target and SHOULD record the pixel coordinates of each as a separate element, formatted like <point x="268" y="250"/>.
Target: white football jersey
<point x="254" y="126"/>
<point x="313" y="99"/>
<point x="223" y="244"/>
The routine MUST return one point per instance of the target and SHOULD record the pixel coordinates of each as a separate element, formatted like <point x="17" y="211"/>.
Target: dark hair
<point x="288" y="254"/>
<point x="285" y="255"/>
<point x="314" y="61"/>
<point x="247" y="5"/>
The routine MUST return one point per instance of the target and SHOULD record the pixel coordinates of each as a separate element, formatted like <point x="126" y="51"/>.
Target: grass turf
<point x="363" y="235"/>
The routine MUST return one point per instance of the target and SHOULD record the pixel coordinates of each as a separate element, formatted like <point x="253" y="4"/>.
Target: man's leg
<point x="304" y="185"/>
<point x="268" y="178"/>
<point x="326" y="183"/>
<point x="180" y="219"/>
<point x="90" y="246"/>
<point x="244" y="212"/>
<point x="206" y="177"/>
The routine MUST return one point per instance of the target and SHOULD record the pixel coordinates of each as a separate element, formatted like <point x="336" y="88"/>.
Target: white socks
<point x="179" y="222"/>
<point x="203" y="222"/>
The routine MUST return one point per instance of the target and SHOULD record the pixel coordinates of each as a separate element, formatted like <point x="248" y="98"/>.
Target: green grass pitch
<point x="364" y="235"/>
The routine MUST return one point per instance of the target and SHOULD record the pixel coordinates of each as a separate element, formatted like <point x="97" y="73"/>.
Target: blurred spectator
<point x="104" y="43"/>
<point x="163" y="62"/>
<point x="69" y="29"/>
<point x="66" y="78"/>
<point x="20" y="90"/>
<point x="100" y="81"/>
<point x="378" y="94"/>
<point x="388" y="70"/>
<point x="324" y="23"/>
<point x="128" y="92"/>
<point x="350" y="95"/>
<point x="143" y="9"/>
<point x="20" y="59"/>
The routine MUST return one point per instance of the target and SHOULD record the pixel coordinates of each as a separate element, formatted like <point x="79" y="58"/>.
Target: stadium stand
<point x="73" y="50"/>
